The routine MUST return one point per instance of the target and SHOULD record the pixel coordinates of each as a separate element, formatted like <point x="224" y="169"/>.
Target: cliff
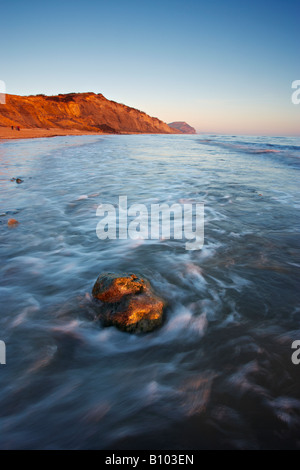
<point x="78" y="112"/>
<point x="182" y="127"/>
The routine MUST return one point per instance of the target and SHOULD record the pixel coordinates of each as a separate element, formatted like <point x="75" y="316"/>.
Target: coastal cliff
<point x="77" y="113"/>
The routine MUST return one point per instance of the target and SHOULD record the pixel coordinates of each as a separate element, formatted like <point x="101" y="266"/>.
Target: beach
<point x="8" y="133"/>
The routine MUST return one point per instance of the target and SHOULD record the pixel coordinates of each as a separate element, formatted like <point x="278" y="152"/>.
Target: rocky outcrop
<point x="77" y="111"/>
<point x="128" y="302"/>
<point x="182" y="127"/>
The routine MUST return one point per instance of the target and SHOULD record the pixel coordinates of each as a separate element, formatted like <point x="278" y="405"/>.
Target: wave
<point x="250" y="147"/>
<point x="290" y="153"/>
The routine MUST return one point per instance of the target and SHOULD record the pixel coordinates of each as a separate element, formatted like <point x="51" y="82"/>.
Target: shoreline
<point x="6" y="133"/>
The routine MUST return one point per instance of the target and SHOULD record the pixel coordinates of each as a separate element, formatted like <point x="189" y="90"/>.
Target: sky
<point x="222" y="66"/>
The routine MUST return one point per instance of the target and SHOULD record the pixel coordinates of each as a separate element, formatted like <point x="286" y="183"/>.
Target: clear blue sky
<point x="222" y="66"/>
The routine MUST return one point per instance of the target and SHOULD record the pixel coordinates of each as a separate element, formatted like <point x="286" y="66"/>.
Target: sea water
<point x="218" y="373"/>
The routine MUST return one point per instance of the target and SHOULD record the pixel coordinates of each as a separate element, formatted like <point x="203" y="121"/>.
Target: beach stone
<point x="128" y="302"/>
<point x="12" y="222"/>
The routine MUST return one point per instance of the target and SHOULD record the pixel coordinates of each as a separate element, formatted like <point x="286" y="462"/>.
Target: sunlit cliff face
<point x="82" y="111"/>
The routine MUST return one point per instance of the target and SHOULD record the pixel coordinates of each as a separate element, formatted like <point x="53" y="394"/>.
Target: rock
<point x="17" y="180"/>
<point x="12" y="222"/>
<point x="128" y="302"/>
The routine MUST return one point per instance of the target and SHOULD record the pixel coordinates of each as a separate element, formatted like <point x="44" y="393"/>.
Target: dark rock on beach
<point x="128" y="302"/>
<point x="17" y="180"/>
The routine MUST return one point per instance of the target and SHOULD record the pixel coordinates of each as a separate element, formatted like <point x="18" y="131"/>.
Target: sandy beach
<point x="8" y="133"/>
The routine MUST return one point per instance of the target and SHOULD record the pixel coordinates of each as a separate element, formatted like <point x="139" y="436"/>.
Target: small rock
<point x="19" y="181"/>
<point x="12" y="222"/>
<point x="128" y="302"/>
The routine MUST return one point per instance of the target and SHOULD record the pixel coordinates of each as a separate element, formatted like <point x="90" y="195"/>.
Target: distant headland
<point x="183" y="127"/>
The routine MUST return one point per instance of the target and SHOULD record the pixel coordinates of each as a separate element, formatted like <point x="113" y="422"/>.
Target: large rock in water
<point x="128" y="302"/>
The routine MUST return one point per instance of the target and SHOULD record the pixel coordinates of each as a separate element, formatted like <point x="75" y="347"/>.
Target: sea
<point x="222" y="372"/>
